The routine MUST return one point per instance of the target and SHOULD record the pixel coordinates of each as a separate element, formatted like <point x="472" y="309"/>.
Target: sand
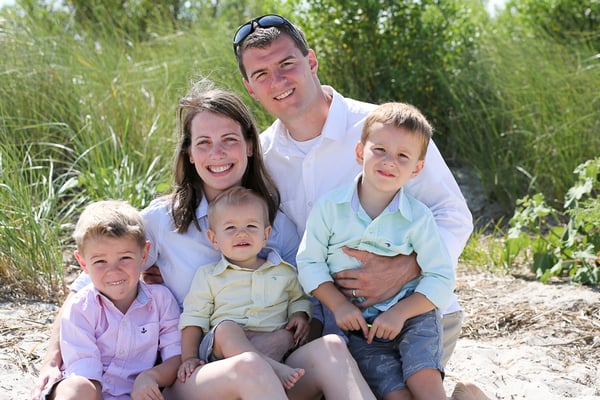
<point x="520" y="340"/>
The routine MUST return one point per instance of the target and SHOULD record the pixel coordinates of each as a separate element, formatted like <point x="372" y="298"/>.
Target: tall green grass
<point x="90" y="114"/>
<point x="527" y="113"/>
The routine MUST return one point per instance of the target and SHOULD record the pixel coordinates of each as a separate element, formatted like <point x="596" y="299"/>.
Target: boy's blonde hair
<point x="235" y="196"/>
<point x="400" y="115"/>
<point x="109" y="218"/>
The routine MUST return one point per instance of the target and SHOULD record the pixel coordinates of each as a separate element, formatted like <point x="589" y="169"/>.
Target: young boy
<point x="111" y="330"/>
<point x="243" y="294"/>
<point x="402" y="335"/>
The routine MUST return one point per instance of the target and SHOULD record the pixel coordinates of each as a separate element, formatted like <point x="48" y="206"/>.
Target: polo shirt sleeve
<point x="80" y="353"/>
<point x="199" y="303"/>
<point x="169" y="341"/>
<point x="438" y="275"/>
<point x="436" y="187"/>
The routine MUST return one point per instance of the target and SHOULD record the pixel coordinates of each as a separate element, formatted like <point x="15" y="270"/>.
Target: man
<point x="309" y="151"/>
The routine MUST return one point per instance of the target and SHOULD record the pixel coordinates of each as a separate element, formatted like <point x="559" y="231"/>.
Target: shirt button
<point x="310" y="203"/>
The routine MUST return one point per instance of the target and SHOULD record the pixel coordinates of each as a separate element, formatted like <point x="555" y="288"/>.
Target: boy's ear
<point x="81" y="261"/>
<point x="418" y="168"/>
<point x="268" y="231"/>
<point x="145" y="251"/>
<point x="212" y="238"/>
<point x="359" y="150"/>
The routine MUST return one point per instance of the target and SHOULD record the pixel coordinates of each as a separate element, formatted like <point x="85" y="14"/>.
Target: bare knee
<point x="251" y="368"/>
<point x="77" y="388"/>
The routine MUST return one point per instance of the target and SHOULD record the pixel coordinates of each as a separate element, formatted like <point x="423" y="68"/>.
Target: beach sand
<point x="521" y="339"/>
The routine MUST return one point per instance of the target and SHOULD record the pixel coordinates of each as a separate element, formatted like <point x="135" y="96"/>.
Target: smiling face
<point x="240" y="231"/>
<point x="282" y="79"/>
<point x="390" y="157"/>
<point x="114" y="265"/>
<point x="218" y="151"/>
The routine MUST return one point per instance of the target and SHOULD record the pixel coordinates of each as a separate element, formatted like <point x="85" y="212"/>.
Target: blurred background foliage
<point x="88" y="91"/>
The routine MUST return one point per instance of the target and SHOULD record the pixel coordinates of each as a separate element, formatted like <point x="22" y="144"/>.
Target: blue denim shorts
<point x="386" y="365"/>
<point x="205" y="352"/>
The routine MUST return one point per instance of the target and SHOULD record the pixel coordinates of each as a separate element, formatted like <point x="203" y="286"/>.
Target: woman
<point x="218" y="148"/>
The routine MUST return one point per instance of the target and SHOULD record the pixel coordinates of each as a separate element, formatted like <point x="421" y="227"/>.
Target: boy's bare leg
<point x="274" y="344"/>
<point x="246" y="376"/>
<point x="426" y="384"/>
<point x="230" y="340"/>
<point x="330" y="371"/>
<point x="77" y="388"/>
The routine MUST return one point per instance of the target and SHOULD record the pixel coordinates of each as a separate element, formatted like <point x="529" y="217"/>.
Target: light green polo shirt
<point x="406" y="225"/>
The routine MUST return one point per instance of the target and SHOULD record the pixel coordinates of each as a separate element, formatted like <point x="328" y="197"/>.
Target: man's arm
<point x="379" y="278"/>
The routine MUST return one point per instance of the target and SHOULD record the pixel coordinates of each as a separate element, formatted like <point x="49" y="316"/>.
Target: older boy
<point x="403" y="334"/>
<point x="111" y="330"/>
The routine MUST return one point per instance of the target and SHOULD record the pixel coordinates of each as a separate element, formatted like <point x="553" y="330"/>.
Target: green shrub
<point x="560" y="248"/>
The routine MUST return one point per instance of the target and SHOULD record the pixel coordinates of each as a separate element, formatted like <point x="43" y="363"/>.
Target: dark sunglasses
<point x="266" y="21"/>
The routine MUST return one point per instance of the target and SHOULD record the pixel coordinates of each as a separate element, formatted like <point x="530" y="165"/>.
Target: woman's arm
<point x="50" y="369"/>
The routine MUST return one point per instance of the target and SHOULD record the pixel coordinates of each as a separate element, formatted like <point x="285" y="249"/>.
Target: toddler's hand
<point x="188" y="367"/>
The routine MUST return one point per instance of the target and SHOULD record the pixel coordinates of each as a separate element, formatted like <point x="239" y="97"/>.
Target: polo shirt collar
<point x="399" y="203"/>
<point x="272" y="257"/>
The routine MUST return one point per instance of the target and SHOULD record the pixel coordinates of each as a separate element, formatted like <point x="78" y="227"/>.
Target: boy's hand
<point x="387" y="325"/>
<point x="349" y="318"/>
<point x="298" y="324"/>
<point x="188" y="367"/>
<point x="145" y="387"/>
<point x="48" y="375"/>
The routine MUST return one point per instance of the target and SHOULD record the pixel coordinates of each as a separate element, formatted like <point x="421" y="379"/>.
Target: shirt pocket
<point x="146" y="336"/>
<point x="274" y="291"/>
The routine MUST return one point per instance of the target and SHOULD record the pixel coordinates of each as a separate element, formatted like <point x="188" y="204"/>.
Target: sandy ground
<point x="521" y="340"/>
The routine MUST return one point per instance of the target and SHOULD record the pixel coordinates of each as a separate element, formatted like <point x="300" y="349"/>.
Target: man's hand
<point x="379" y="278"/>
<point x="152" y="276"/>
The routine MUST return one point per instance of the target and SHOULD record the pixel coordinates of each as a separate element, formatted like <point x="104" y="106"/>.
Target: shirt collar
<point x="399" y="203"/>
<point x="202" y="209"/>
<point x="337" y="112"/>
<point x="142" y="295"/>
<point x="272" y="257"/>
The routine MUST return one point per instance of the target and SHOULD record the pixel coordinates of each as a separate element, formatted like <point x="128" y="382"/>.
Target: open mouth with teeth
<point x="217" y="169"/>
<point x="116" y="283"/>
<point x="284" y="94"/>
<point x="242" y="244"/>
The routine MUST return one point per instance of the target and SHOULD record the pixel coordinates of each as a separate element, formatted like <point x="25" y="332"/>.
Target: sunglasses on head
<point x="266" y="21"/>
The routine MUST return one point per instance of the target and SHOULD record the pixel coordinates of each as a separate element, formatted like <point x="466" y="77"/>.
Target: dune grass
<point x="89" y="115"/>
